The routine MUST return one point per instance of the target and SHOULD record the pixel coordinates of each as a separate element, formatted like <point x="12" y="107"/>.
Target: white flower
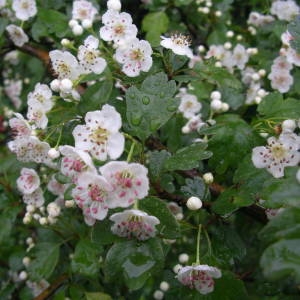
<point x="134" y="223"/>
<point x="24" y="9"/>
<point x="135" y="57"/>
<point x="91" y="195"/>
<point x="29" y="181"/>
<point x="194" y="123"/>
<point x="117" y="27"/>
<point x="189" y="105"/>
<point x="178" y="43"/>
<point x="13" y="89"/>
<point x="240" y="56"/>
<point x="100" y="136"/>
<point x="36" y="198"/>
<point x="17" y="35"/>
<point x="37" y="115"/>
<point x="258" y="19"/>
<point x="216" y="51"/>
<point x="252" y="92"/>
<point x="293" y="57"/>
<point x="129" y="182"/>
<point x="42" y="95"/>
<point x="281" y="81"/>
<point x="199" y="277"/>
<point x="285" y="10"/>
<point x="53" y="210"/>
<point x="83" y="10"/>
<point x="88" y="56"/>
<point x="2" y="3"/>
<point x="65" y="64"/>
<point x="74" y="162"/>
<point x="286" y="37"/>
<point x="278" y="154"/>
<point x="55" y="187"/>
<point x="281" y="64"/>
<point x="19" y="126"/>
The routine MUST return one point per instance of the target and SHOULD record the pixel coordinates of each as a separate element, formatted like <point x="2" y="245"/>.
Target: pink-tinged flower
<point x="100" y="136"/>
<point x="83" y="10"/>
<point x="240" y="56"/>
<point x="135" y="57"/>
<point x="189" y="105"/>
<point x="281" y="81"/>
<point x="65" y="64"/>
<point x="55" y="187"/>
<point x="91" y="195"/>
<point x="285" y="10"/>
<point x="199" y="277"/>
<point x="281" y="64"/>
<point x="117" y="27"/>
<point x="134" y="223"/>
<point x="37" y="115"/>
<point x="36" y="198"/>
<point x="13" y="89"/>
<point x="129" y="182"/>
<point x="17" y="35"/>
<point x="29" y="181"/>
<point x="74" y="162"/>
<point x="24" y="9"/>
<point x="178" y="43"/>
<point x="42" y="96"/>
<point x="19" y="126"/>
<point x="293" y="57"/>
<point x="278" y="154"/>
<point x="89" y="56"/>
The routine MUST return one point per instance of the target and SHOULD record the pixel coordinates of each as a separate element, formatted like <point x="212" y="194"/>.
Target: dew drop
<point x="146" y="100"/>
<point x="162" y="94"/>
<point x="136" y="119"/>
<point x="154" y="124"/>
<point x="132" y="96"/>
<point x="172" y="108"/>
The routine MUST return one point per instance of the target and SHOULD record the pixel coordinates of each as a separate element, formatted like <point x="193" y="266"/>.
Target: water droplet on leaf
<point x="154" y="124"/>
<point x="136" y="119"/>
<point x="172" y="108"/>
<point x="146" y="100"/>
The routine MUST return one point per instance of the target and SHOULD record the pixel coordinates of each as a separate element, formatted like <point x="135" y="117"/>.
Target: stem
<point x="130" y="152"/>
<point x="208" y="242"/>
<point x="59" y="138"/>
<point x="136" y="204"/>
<point x="198" y="245"/>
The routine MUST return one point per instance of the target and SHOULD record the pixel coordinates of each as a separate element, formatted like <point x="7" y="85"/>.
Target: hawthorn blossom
<point x="284" y="10"/>
<point x="74" y="162"/>
<point x="216" y="51"/>
<point x="29" y="181"/>
<point x="129" y="182"/>
<point x="36" y="198"/>
<point x="13" y="89"/>
<point x="2" y="3"/>
<point x="179" y="44"/>
<point x="257" y="19"/>
<point x="24" y="9"/>
<point x="286" y="37"/>
<point x="65" y="64"/>
<point x="278" y="154"/>
<point x="135" y="57"/>
<point x="92" y="194"/>
<point x="194" y="123"/>
<point x="88" y="56"/>
<point x="55" y="187"/>
<point x="17" y="35"/>
<point x="240" y="56"/>
<point x="292" y="56"/>
<point x="117" y="27"/>
<point x="281" y="81"/>
<point x="19" y="126"/>
<point x="37" y="115"/>
<point x="100" y="136"/>
<point x="189" y="104"/>
<point x="42" y="95"/>
<point x="83" y="10"/>
<point x="199" y="277"/>
<point x="134" y="223"/>
<point x="281" y="64"/>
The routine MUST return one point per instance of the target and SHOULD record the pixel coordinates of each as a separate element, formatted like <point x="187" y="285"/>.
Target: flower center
<point x="136" y="55"/>
<point x="96" y="193"/>
<point x="119" y="29"/>
<point x="90" y="57"/>
<point x="124" y="179"/>
<point x="63" y="69"/>
<point x="181" y="40"/>
<point x="25" y="5"/>
<point x="99" y="136"/>
<point x="40" y="98"/>
<point x="278" y="151"/>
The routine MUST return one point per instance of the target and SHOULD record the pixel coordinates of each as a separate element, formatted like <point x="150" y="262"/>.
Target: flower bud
<point x="65" y="42"/>
<point x="298" y="175"/>
<point x="26" y="261"/>
<point x="69" y="203"/>
<point x="158" y="295"/>
<point x="183" y="258"/>
<point x="23" y="275"/>
<point x="216" y="105"/>
<point x="43" y="221"/>
<point x="288" y="126"/>
<point x="225" y="107"/>
<point x="215" y="95"/>
<point x="66" y="85"/>
<point x="176" y="268"/>
<point x="77" y="30"/>
<point x="229" y="34"/>
<point x="53" y="210"/>
<point x="208" y="178"/>
<point x="194" y="203"/>
<point x="73" y="23"/>
<point x="114" y="5"/>
<point x="164" y="286"/>
<point x="55" y="85"/>
<point x="87" y="23"/>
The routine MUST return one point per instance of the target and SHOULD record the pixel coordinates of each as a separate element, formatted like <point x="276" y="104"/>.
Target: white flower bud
<point x="183" y="258"/>
<point x="185" y="129"/>
<point x="73" y="23"/>
<point x="66" y="85"/>
<point x="27" y="219"/>
<point x="255" y="76"/>
<point x="211" y="122"/>
<point x="36" y="216"/>
<point x="264" y="134"/>
<point x="26" y="80"/>
<point x="208" y="178"/>
<point x="257" y="99"/>
<point x="177" y="268"/>
<point x="262" y="72"/>
<point x="298" y="175"/>
<point x="194" y="203"/>
<point x="215" y="95"/>
<point x="227" y="45"/>
<point x="218" y="64"/>
<point x="55" y="85"/>
<point x="26" y="261"/>
<point x="65" y="42"/>
<point x="288" y="126"/>
<point x="201" y="49"/>
<point x="87" y="23"/>
<point x="179" y="216"/>
<point x="114" y="5"/>
<point x="23" y="275"/>
<point x="205" y="10"/>
<point x="216" y="105"/>
<point x="218" y="13"/>
<point x="53" y="210"/>
<point x="51" y="220"/>
<point x="30" y="208"/>
<point x="229" y="34"/>
<point x="43" y="221"/>
<point x="53" y="153"/>
<point x="42" y="208"/>
<point x="29" y="241"/>
<point x="252" y="30"/>
<point x="225" y="107"/>
<point x="77" y="30"/>
<point x="69" y="203"/>
<point x="261" y="93"/>
<point x="164" y="286"/>
<point x="158" y="295"/>
<point x="239" y="37"/>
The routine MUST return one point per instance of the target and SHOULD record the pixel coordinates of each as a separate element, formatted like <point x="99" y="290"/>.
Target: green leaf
<point x="86" y="258"/>
<point x="102" y="235"/>
<point x="3" y="24"/>
<point x="168" y="227"/>
<point x="155" y="23"/>
<point x="286" y="225"/>
<point x="281" y="260"/>
<point x="156" y="162"/>
<point x="97" y="296"/>
<point x="151" y="106"/>
<point x="7" y="219"/>
<point x="232" y="139"/>
<point x="95" y="96"/>
<point x="136" y="262"/>
<point x="294" y="30"/>
<point x="234" y="98"/>
<point x="46" y="257"/>
<point x="274" y="106"/>
<point x="194" y="187"/>
<point x="188" y="157"/>
<point x="39" y="29"/>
